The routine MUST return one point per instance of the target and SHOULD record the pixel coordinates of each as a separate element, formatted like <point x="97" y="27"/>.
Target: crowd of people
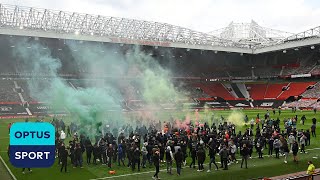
<point x="152" y="146"/>
<point x="164" y="143"/>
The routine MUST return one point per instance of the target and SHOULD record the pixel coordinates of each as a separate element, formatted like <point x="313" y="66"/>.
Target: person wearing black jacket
<point x="193" y="156"/>
<point x="201" y="154"/>
<point x="313" y="130"/>
<point x="270" y="142"/>
<point x="156" y="162"/>
<point x="63" y="158"/>
<point x="77" y="155"/>
<point x="89" y="150"/>
<point x="295" y="149"/>
<point x="224" y="157"/>
<point x="244" y="153"/>
<point x="109" y="155"/>
<point x="212" y="154"/>
<point x="307" y="134"/>
<point x="136" y="159"/>
<point x="179" y="156"/>
<point x="96" y="154"/>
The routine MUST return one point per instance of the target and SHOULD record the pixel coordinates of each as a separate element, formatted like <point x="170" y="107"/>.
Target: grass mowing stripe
<point x="133" y="174"/>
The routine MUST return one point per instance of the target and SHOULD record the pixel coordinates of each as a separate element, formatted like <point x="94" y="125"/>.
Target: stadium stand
<point x="274" y="90"/>
<point x="303" y="103"/>
<point x="215" y="90"/>
<point x="256" y="91"/>
<point x="315" y="70"/>
<point x="266" y="71"/>
<point x="25" y="90"/>
<point x="314" y="92"/>
<point x="295" y="89"/>
<point x="7" y="93"/>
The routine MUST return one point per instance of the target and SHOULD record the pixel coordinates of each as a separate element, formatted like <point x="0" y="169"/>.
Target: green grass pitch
<point x="266" y="167"/>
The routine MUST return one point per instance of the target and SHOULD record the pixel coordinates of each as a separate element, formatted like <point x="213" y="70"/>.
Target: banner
<point x="300" y="75"/>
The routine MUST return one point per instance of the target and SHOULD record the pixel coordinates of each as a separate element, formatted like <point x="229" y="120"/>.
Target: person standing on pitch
<point x="245" y="154"/>
<point x="64" y="159"/>
<point x="136" y="159"/>
<point x="295" y="149"/>
<point x="276" y="145"/>
<point x="193" y="156"/>
<point x="156" y="162"/>
<point x="201" y="154"/>
<point x="224" y="157"/>
<point x="30" y="171"/>
<point x="212" y="154"/>
<point x="169" y="159"/>
<point x="313" y="130"/>
<point x="179" y="158"/>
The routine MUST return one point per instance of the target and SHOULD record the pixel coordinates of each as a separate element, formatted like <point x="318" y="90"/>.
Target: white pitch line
<point x="8" y="169"/>
<point x="133" y="174"/>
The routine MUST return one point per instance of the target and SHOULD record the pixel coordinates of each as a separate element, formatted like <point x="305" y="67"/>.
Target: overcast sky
<point x="201" y="15"/>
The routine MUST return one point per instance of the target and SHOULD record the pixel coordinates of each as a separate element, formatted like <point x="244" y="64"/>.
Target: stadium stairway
<point x="243" y="89"/>
<point x="237" y="90"/>
<point x="72" y="86"/>
<point x="15" y="84"/>
<point x="274" y="90"/>
<point x="228" y="86"/>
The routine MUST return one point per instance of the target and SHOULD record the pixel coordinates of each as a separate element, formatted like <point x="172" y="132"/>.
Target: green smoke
<point x="98" y="102"/>
<point x="88" y="106"/>
<point x="148" y="76"/>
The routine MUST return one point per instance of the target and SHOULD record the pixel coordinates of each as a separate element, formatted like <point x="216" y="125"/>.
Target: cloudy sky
<point x="202" y="15"/>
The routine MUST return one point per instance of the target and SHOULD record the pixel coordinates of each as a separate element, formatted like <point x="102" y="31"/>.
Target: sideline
<point x="8" y="169"/>
<point x="133" y="174"/>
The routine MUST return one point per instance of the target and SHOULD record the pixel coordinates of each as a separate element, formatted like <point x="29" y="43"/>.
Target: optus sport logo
<point x="32" y="145"/>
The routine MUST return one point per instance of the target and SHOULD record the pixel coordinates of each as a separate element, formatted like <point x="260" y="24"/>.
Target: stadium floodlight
<point x="284" y="51"/>
<point x="312" y="47"/>
<point x="188" y="49"/>
<point x="91" y="33"/>
<point x="215" y="52"/>
<point x="296" y="49"/>
<point x="241" y="54"/>
<point x="76" y="32"/>
<point x="21" y="27"/>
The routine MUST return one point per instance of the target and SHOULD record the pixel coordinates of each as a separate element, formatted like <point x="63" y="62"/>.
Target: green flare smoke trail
<point x="92" y="105"/>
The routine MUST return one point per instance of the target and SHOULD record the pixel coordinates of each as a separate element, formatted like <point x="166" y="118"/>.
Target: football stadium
<point x="148" y="100"/>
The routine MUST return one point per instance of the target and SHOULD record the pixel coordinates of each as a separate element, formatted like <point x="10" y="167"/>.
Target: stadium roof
<point x="250" y="33"/>
<point x="242" y="38"/>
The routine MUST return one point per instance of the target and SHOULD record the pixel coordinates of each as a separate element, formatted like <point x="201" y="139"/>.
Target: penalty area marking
<point x="133" y="174"/>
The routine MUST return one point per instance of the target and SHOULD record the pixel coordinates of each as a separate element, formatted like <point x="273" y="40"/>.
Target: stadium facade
<point x="241" y="66"/>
